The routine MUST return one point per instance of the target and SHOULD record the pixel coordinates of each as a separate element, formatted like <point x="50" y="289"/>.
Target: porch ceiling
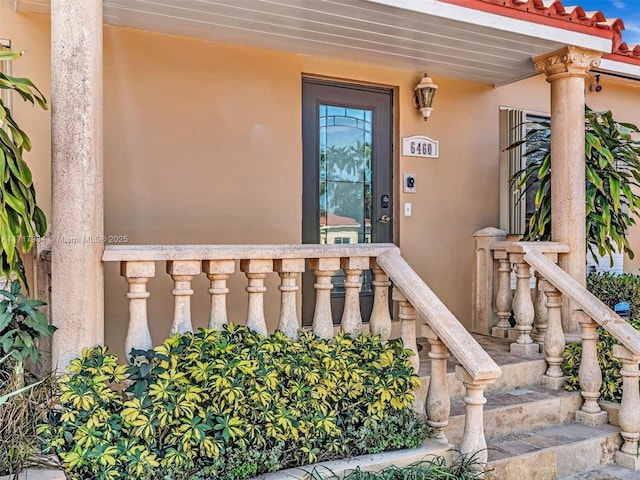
<point x="428" y="35"/>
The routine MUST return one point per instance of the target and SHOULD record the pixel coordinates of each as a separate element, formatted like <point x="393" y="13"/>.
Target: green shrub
<point x="610" y="289"/>
<point x="233" y="404"/>
<point x="22" y="325"/>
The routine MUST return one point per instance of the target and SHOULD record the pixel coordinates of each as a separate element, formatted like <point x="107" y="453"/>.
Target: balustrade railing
<point x="592" y="312"/>
<point x="414" y="301"/>
<point x="538" y="321"/>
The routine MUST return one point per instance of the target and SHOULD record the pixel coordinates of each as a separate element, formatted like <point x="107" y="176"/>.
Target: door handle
<point x="384" y="219"/>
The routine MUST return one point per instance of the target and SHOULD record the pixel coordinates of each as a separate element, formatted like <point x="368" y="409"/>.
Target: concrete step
<point x="517" y="372"/>
<point x="517" y="411"/>
<point x="610" y="472"/>
<point x="553" y="452"/>
<point x="371" y="463"/>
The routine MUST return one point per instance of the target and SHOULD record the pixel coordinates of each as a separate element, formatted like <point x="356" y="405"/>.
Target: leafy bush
<point x="232" y="404"/>
<point x="21" y="220"/>
<point x="21" y="326"/>
<point x="610" y="289"/>
<point x="612" y="163"/>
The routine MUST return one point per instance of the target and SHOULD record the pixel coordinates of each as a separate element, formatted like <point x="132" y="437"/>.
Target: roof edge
<point x="555" y="16"/>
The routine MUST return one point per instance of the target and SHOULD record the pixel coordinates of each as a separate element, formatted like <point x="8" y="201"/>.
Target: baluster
<point x="256" y="271"/>
<point x="351" y="316"/>
<point x="380" y="321"/>
<point x="590" y="375"/>
<point x="438" y="402"/>
<point x="504" y="297"/>
<point x="473" y="439"/>
<point x="182" y="272"/>
<point x="407" y="315"/>
<point x="554" y="342"/>
<point x="289" y="270"/>
<point x="627" y="456"/>
<point x="540" y="320"/>
<point x="218" y="272"/>
<point x="323" y="269"/>
<point x="137" y="274"/>
<point x="523" y="308"/>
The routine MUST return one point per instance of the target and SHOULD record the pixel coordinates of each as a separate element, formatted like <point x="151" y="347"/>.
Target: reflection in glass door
<point x="347" y="166"/>
<point x="345" y="180"/>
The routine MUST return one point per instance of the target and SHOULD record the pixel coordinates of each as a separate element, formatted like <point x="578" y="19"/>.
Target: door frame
<point x="316" y="91"/>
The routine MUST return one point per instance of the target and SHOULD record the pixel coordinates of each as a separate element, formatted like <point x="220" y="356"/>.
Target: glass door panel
<point x="345" y="180"/>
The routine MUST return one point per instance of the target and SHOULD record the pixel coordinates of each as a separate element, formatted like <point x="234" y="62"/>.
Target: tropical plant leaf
<point x="612" y="170"/>
<point x="19" y="213"/>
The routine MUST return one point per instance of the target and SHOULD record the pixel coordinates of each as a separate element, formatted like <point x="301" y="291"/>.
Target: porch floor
<point x="497" y="348"/>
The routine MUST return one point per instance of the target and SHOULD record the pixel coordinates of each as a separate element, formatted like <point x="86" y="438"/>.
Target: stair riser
<point x="519" y="418"/>
<point x="517" y="375"/>
<point x="557" y="462"/>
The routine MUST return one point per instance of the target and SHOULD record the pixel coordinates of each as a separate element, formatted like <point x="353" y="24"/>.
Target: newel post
<point x="483" y="317"/>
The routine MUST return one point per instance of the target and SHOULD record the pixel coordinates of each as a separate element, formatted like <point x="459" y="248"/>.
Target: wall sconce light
<point x="423" y="96"/>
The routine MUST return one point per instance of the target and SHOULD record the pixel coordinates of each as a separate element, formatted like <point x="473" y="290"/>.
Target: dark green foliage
<point x="233" y="404"/>
<point x="21" y="220"/>
<point x="612" y="171"/>
<point x="610" y="289"/>
<point x="21" y="326"/>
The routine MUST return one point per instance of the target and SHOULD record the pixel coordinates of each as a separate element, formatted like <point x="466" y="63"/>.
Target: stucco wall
<point x="203" y="145"/>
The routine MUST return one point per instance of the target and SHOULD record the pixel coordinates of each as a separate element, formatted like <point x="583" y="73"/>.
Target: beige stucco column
<point x="77" y="191"/>
<point x="566" y="70"/>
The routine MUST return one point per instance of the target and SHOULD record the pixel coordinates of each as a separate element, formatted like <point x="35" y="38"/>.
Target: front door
<point x="347" y="176"/>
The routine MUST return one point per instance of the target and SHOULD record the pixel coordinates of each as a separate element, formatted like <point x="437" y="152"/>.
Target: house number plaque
<point x="419" y="146"/>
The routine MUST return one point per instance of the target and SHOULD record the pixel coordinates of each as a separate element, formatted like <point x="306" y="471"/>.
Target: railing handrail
<point x="589" y="303"/>
<point x="130" y="253"/>
<point x="475" y="360"/>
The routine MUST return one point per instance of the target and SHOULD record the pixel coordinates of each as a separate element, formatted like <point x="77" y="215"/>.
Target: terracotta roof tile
<point x="626" y="53"/>
<point x="574" y="17"/>
<point x="556" y="9"/>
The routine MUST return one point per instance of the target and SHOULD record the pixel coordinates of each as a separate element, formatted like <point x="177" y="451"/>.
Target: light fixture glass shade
<point x="423" y="96"/>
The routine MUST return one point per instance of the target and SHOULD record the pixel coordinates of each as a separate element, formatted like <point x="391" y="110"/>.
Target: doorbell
<point x="409" y="183"/>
